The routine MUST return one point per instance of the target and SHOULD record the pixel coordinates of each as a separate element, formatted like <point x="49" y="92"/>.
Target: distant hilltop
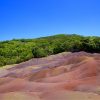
<point x="20" y="50"/>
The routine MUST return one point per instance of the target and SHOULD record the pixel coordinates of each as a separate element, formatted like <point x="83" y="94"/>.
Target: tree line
<point x="20" y="50"/>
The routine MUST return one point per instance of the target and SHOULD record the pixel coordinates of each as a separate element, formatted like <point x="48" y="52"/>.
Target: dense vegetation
<point x="19" y="50"/>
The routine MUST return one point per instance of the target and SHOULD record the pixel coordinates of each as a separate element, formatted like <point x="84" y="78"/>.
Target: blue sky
<point x="36" y="18"/>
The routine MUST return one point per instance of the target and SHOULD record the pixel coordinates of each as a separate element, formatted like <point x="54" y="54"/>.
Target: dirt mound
<point x="19" y="96"/>
<point x="65" y="76"/>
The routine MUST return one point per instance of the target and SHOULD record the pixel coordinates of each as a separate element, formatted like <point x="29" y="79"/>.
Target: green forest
<point x="19" y="50"/>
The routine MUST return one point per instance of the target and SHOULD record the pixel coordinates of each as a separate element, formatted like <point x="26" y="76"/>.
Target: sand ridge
<point x="65" y="76"/>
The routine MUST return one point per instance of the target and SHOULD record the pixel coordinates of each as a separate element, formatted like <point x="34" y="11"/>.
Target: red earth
<point x="65" y="76"/>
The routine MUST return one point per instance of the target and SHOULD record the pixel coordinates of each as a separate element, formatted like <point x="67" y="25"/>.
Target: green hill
<point x="19" y="50"/>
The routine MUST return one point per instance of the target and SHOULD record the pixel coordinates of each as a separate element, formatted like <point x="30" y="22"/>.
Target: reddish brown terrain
<point x="65" y="76"/>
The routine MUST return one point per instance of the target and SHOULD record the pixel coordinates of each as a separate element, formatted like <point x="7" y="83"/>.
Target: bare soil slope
<point x="65" y="76"/>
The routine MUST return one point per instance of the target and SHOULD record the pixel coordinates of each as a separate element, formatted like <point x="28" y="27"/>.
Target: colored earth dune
<point x="65" y="76"/>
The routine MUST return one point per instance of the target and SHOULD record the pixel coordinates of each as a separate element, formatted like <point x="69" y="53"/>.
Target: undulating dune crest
<point x="65" y="76"/>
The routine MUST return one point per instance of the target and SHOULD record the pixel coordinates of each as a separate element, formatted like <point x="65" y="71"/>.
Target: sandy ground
<point x="65" y="76"/>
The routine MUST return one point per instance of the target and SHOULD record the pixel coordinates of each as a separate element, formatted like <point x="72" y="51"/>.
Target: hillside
<point x="64" y="76"/>
<point x="19" y="50"/>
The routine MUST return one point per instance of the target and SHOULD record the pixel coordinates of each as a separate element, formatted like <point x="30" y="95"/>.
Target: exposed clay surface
<point x="65" y="76"/>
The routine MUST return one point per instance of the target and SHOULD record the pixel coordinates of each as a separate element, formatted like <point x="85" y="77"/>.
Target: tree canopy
<point x="19" y="50"/>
